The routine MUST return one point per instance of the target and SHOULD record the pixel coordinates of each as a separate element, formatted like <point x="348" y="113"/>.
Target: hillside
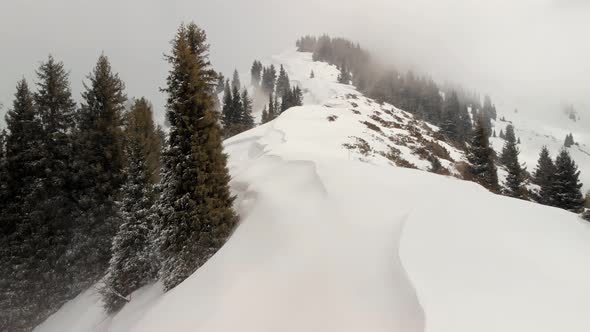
<point x="335" y="237"/>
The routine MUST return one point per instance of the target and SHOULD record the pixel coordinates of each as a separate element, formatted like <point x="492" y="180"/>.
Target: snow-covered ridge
<point x="335" y="239"/>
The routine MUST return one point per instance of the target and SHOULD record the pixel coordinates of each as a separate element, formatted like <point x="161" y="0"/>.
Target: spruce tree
<point x="312" y="74"/>
<point x="543" y="177"/>
<point x="219" y="87"/>
<point x="450" y="116"/>
<point x="99" y="163"/>
<point x="344" y="77"/>
<point x="269" y="76"/>
<point x="481" y="157"/>
<point x="131" y="265"/>
<point x="272" y="111"/>
<point x="569" y="141"/>
<point x="227" y="110"/>
<point x="565" y="188"/>
<point x="235" y="82"/>
<point x="256" y="73"/>
<point x="264" y="119"/>
<point x="140" y="124"/>
<point x="509" y="158"/>
<point x="246" y="118"/>
<point x="195" y="203"/>
<point x="283" y="83"/>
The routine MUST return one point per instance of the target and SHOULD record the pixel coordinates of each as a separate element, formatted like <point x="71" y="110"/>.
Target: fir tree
<point x="256" y="73"/>
<point x="344" y="77"/>
<point x="565" y="188"/>
<point x="481" y="157"/>
<point x="269" y="76"/>
<point x="509" y="158"/>
<point x="227" y="110"/>
<point x="543" y="177"/>
<point x="569" y="141"/>
<point x="272" y="111"/>
<point x="312" y="75"/>
<point x="246" y="118"/>
<point x="264" y="118"/>
<point x="195" y="203"/>
<point x="283" y="84"/>
<point x="140" y="125"/>
<point x="450" y="116"/>
<point x="220" y="86"/>
<point x="131" y="264"/>
<point x="99" y="165"/>
<point x="235" y="82"/>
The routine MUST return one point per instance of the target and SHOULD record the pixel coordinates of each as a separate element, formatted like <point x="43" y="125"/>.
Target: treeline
<point x="451" y="107"/>
<point x="98" y="189"/>
<point x="462" y="118"/>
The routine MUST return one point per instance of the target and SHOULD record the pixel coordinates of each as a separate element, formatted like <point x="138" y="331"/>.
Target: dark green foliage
<point x="265" y="117"/>
<point x="139" y="126"/>
<point x="543" y="177"/>
<point x="291" y="98"/>
<point x="236" y="111"/>
<point x="586" y="215"/>
<point x="488" y="112"/>
<point x="246" y="118"/>
<point x="195" y="203"/>
<point x="450" y="116"/>
<point x="509" y="158"/>
<point x="569" y="141"/>
<point x="256" y="73"/>
<point x="481" y="157"/>
<point x="131" y="265"/>
<point x="99" y="163"/>
<point x="502" y="135"/>
<point x="565" y="187"/>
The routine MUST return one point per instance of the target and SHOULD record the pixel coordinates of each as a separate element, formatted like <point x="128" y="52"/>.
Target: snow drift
<point x="332" y="239"/>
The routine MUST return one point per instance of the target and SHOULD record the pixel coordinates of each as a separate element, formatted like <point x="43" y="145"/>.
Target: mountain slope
<point x="333" y="238"/>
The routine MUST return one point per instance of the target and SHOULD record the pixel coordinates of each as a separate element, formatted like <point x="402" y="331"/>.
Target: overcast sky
<point x="517" y="50"/>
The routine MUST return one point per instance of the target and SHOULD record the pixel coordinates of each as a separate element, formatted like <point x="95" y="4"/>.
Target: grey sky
<point x="516" y="49"/>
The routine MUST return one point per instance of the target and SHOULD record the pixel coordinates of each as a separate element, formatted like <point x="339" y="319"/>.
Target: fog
<point x="531" y="54"/>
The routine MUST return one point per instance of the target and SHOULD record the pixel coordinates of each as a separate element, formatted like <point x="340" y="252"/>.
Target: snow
<point x="332" y="239"/>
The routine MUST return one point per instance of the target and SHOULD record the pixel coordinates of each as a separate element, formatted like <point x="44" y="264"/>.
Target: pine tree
<point x="272" y="111"/>
<point x="227" y="110"/>
<point x="569" y="141"/>
<point x="131" y="264"/>
<point x="283" y="83"/>
<point x="450" y="116"/>
<point x="543" y="177"/>
<point x="99" y="164"/>
<point x="312" y="75"/>
<point x="19" y="261"/>
<point x="264" y="118"/>
<point x="195" y="204"/>
<point x="509" y="158"/>
<point x="219" y="87"/>
<point x="344" y="77"/>
<point x="565" y="188"/>
<point x="140" y="125"/>
<point x="269" y="76"/>
<point x="256" y="73"/>
<point x="235" y="82"/>
<point x="246" y="118"/>
<point x="481" y="157"/>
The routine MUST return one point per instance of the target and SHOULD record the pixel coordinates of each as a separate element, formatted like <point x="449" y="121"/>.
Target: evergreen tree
<point x="543" y="177"/>
<point x="246" y="118"/>
<point x="99" y="164"/>
<point x="450" y="117"/>
<point x="569" y="141"/>
<point x="502" y="135"/>
<point x="269" y="76"/>
<point x="131" y="264"/>
<point x="272" y="111"/>
<point x="256" y="73"/>
<point x="283" y="84"/>
<point x="195" y="203"/>
<point x="140" y="125"/>
<point x="312" y="75"/>
<point x="344" y="77"/>
<point x="220" y="86"/>
<point x="235" y="82"/>
<point x="264" y="118"/>
<point x="509" y="158"/>
<point x="565" y="188"/>
<point x="481" y="157"/>
<point x="228" y="104"/>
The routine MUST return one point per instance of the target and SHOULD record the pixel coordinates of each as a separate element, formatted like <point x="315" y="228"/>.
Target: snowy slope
<point x="333" y="238"/>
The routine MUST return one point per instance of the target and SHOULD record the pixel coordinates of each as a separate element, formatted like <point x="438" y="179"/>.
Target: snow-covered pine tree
<point x="269" y="76"/>
<point x="565" y="188"/>
<point x="195" y="202"/>
<point x="131" y="264"/>
<point x="140" y="123"/>
<point x="99" y="144"/>
<point x="509" y="158"/>
<point x="344" y="77"/>
<point x="481" y="157"/>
